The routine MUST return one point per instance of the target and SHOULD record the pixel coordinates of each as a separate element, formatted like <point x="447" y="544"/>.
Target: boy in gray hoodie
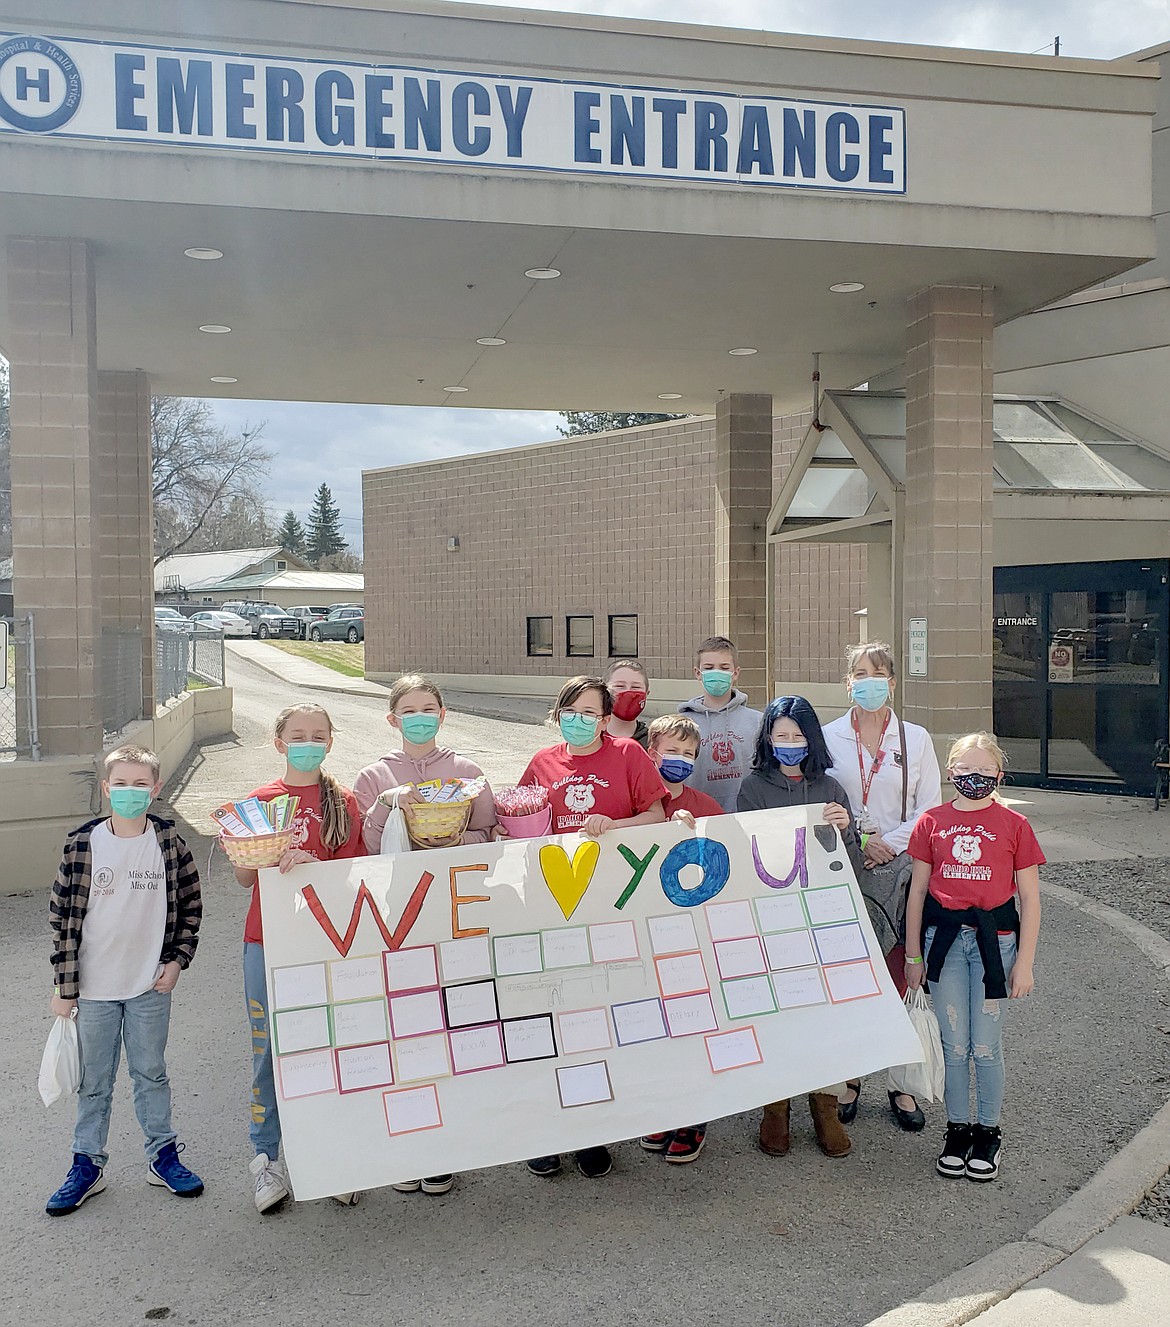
<point x="727" y="727"/>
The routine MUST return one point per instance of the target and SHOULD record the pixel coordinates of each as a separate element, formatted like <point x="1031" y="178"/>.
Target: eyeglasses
<point x="585" y="714"/>
<point x="992" y="773"/>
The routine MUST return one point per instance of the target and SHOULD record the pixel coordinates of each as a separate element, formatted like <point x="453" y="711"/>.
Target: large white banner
<point x="441" y="1011"/>
<point x="74" y="88"/>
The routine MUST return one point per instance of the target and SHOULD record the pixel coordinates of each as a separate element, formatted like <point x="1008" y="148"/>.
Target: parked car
<point x="223" y="623"/>
<point x="345" y="624"/>
<point x="306" y="615"/>
<point x="170" y="619"/>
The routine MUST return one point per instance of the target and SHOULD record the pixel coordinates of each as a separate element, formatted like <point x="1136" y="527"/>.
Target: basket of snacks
<point x="254" y="851"/>
<point x="524" y="813"/>
<point x="255" y="834"/>
<point x="444" y="811"/>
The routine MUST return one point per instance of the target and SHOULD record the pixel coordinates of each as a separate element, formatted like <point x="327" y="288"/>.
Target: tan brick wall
<point x="611" y="523"/>
<point x="819" y="587"/>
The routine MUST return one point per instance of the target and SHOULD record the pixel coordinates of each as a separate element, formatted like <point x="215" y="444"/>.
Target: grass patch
<point x="336" y="654"/>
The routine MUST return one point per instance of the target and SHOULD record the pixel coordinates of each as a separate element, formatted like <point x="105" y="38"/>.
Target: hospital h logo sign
<point x="40" y="85"/>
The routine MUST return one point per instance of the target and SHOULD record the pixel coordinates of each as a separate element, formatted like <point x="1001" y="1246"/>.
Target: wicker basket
<point x="256" y="850"/>
<point x="437" y="820"/>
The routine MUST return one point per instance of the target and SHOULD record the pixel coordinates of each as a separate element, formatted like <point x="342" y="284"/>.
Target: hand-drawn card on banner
<point x="436" y="1011"/>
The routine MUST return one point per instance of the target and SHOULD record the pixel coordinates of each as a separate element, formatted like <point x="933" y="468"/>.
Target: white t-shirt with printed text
<point x="126" y="917"/>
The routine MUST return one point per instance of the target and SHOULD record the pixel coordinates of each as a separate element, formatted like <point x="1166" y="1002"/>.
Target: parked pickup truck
<point x="306" y="615"/>
<point x="266" y="619"/>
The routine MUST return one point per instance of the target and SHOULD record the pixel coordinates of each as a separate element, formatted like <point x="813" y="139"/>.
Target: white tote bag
<point x="923" y="1081"/>
<point x="394" y="835"/>
<point x="60" y="1074"/>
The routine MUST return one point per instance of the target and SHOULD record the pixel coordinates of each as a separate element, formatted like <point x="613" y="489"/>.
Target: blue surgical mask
<point x="716" y="681"/>
<point x="674" y="769"/>
<point x="578" y="729"/>
<point x="789" y="755"/>
<point x="871" y="693"/>
<point x="130" y="803"/>
<point x="306" y="756"/>
<point x="419" y="728"/>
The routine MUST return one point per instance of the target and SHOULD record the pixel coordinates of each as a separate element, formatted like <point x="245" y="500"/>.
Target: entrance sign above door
<point x="211" y="99"/>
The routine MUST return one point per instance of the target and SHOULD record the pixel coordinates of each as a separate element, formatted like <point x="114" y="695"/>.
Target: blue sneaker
<point x="83" y="1181"/>
<point x="167" y="1171"/>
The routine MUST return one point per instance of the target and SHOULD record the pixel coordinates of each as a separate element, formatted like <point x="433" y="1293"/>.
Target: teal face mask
<point x="871" y="693"/>
<point x="577" y="729"/>
<point x="306" y="756"/>
<point x="716" y="681"/>
<point x="419" y="728"/>
<point x="130" y="803"/>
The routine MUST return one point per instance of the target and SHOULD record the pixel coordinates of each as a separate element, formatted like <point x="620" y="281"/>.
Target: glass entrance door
<point x="1080" y="683"/>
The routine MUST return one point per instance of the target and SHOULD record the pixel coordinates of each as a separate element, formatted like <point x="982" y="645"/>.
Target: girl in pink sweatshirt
<point x="416" y="711"/>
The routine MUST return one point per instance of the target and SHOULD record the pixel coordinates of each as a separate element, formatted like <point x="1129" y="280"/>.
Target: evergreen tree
<point x="324" y="532"/>
<point x="291" y="535"/>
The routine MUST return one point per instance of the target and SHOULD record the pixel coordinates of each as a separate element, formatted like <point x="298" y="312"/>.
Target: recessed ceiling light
<point x="670" y="396"/>
<point x="216" y="329"/>
<point x="490" y="341"/>
<point x="543" y="273"/>
<point x="205" y="255"/>
<point x="744" y="350"/>
<point x="456" y="389"/>
<point x="847" y="287"/>
<point x="224" y="379"/>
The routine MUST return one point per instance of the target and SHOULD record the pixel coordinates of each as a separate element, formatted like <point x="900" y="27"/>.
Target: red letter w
<point x="394" y="939"/>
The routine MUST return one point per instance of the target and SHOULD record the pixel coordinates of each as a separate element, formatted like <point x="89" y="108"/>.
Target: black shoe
<point x="847" y="1110"/>
<point x="983" y="1160"/>
<point x="594" y="1162"/>
<point x="956" y="1148"/>
<point x="913" y="1121"/>
<point x="545" y="1166"/>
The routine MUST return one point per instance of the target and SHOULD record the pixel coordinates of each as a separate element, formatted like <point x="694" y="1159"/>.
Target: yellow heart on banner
<point x="567" y="881"/>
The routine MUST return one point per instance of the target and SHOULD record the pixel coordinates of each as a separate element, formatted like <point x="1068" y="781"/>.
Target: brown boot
<point x="774" y="1129"/>
<point x="831" y="1136"/>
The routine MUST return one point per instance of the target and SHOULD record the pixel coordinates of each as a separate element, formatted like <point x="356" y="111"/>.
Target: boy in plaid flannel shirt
<point x="125" y="912"/>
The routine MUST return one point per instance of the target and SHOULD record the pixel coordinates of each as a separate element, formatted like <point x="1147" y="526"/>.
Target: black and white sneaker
<point x="956" y="1148"/>
<point x="983" y="1159"/>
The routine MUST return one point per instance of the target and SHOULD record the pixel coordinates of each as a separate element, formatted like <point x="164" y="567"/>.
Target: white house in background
<point x="272" y="574"/>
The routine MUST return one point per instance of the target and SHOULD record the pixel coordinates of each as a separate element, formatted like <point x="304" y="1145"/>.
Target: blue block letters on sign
<point x="709" y="854"/>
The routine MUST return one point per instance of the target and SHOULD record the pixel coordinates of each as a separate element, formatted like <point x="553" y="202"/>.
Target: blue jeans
<point x="264" y="1128"/>
<point x="971" y="1027"/>
<point x="102" y="1026"/>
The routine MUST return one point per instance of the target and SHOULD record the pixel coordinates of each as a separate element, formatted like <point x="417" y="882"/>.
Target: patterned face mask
<point x="975" y="787"/>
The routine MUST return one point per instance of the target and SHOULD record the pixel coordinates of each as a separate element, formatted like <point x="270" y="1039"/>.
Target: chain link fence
<point x="121" y="678"/>
<point x="181" y="661"/>
<point x="18" y="690"/>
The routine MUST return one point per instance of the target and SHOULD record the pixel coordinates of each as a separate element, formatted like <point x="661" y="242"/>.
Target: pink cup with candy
<point x="534" y="826"/>
<point x="525" y="812"/>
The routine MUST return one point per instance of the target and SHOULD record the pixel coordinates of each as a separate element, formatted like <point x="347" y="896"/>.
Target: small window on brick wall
<point x="579" y="637"/>
<point x="539" y="636"/>
<point x="623" y="635"/>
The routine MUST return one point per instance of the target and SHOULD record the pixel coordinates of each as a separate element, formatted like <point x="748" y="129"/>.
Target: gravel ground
<point x="1140" y="887"/>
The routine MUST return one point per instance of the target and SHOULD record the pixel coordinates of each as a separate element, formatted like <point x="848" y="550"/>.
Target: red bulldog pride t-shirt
<point x="974" y="854"/>
<point x="618" y="781"/>
<point x="306" y="836"/>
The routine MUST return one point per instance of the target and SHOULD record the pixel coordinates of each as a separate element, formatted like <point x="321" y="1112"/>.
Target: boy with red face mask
<point x="629" y="685"/>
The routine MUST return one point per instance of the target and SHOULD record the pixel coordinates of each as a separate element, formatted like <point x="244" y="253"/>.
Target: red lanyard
<point x="866" y="781"/>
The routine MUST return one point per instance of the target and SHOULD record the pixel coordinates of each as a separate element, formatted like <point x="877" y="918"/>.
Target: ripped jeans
<point x="971" y="1027"/>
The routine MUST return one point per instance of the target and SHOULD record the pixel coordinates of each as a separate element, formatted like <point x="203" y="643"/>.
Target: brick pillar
<point x="51" y="341"/>
<point x="125" y="543"/>
<point x="947" y="566"/>
<point x="743" y="498"/>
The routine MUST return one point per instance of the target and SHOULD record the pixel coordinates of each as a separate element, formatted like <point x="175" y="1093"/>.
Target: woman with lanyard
<point x="890" y="773"/>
